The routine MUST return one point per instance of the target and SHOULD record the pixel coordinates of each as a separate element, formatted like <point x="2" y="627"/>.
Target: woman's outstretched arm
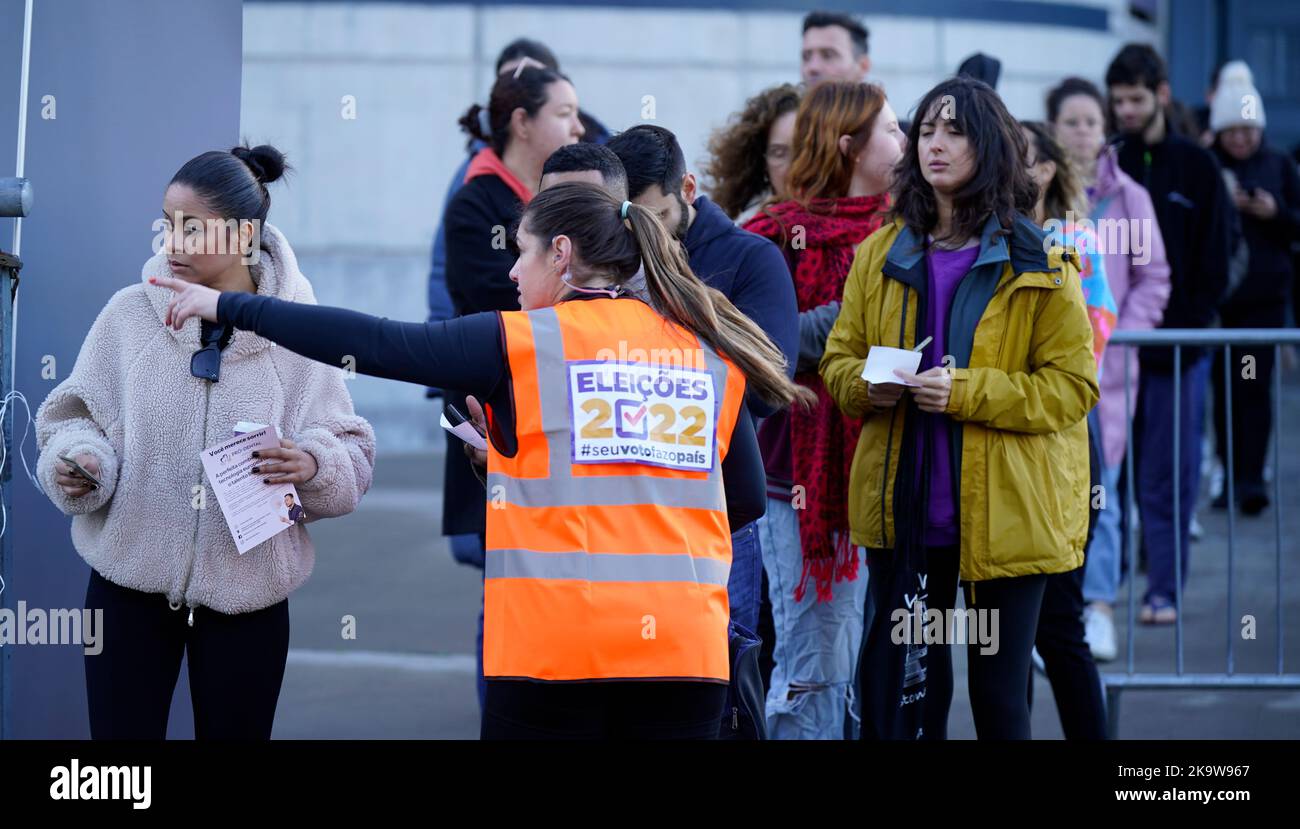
<point x="463" y="353"/>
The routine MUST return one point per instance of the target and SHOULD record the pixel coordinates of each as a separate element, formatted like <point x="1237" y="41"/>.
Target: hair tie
<point x="484" y="123"/>
<point x="622" y="212"/>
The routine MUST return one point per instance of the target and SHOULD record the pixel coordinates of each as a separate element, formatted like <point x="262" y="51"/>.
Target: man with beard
<point x="1196" y="219"/>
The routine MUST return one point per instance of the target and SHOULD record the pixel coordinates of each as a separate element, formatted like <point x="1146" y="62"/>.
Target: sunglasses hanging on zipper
<point x="206" y="362"/>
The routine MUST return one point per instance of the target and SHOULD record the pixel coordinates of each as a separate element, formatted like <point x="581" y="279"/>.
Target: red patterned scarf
<point x="819" y="241"/>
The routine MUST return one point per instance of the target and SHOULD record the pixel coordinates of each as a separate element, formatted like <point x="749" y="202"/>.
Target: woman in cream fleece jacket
<point x="164" y="565"/>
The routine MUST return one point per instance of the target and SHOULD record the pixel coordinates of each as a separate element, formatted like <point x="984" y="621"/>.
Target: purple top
<point x="946" y="269"/>
<point x="778" y="459"/>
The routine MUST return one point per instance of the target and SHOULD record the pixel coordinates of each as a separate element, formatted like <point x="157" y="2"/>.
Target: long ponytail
<point x="605" y="247"/>
<point x="679" y="295"/>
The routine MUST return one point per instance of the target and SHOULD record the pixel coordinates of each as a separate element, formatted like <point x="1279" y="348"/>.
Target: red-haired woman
<point x="846" y="143"/>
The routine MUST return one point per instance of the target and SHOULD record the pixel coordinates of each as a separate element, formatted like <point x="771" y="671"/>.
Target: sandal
<point x="1158" y="611"/>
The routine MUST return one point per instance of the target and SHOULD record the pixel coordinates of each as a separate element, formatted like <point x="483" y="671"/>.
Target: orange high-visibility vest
<point x="608" y="546"/>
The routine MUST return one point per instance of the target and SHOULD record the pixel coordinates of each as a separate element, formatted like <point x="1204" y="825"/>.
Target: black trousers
<point x="999" y="682"/>
<point x="1252" y="396"/>
<point x="1071" y="670"/>
<point x="942" y="565"/>
<point x="236" y="665"/>
<point x="767" y="633"/>
<point x="520" y="709"/>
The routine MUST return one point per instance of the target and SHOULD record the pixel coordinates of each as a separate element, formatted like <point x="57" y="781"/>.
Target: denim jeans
<point x="746" y="577"/>
<point x="1101" y="568"/>
<point x="816" y="642"/>
<point x="1156" y="478"/>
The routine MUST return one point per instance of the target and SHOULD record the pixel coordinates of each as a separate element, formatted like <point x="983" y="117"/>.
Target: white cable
<point x="4" y="408"/>
<point x="4" y="404"/>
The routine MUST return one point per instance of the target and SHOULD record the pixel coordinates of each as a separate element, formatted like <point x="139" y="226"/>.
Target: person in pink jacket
<point x="1134" y="253"/>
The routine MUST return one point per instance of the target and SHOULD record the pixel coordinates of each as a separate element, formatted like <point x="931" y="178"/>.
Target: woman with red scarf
<point x="846" y="143"/>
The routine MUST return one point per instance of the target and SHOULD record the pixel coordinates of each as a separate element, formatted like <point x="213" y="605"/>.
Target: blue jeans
<point x="746" y="577"/>
<point x="1156" y="479"/>
<point x="816" y="642"/>
<point x="1101" y="568"/>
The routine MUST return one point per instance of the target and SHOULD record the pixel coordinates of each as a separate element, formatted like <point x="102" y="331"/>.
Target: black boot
<point x="1253" y="498"/>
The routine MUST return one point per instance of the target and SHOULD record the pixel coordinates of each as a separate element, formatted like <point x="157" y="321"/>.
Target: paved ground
<point x="409" y="673"/>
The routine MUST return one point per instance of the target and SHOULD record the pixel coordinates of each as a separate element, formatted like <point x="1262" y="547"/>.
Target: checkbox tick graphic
<point x="634" y="419"/>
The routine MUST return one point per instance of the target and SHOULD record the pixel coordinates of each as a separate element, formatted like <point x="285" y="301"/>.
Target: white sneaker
<point x="1099" y="633"/>
<point x="1194" y="530"/>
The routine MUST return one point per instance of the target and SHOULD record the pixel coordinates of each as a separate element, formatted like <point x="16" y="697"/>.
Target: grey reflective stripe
<point x="607" y="491"/>
<point x="562" y="488"/>
<point x="604" y="567"/>
<point x="552" y="386"/>
<point x="719" y="371"/>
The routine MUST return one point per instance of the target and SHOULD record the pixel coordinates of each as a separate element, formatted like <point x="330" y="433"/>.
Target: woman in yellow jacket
<point x="979" y="466"/>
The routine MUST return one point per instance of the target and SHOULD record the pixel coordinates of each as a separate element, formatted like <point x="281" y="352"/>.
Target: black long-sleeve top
<point x="466" y="353"/>
<point x="478" y="279"/>
<point x="1196" y="218"/>
<point x="1269" y="275"/>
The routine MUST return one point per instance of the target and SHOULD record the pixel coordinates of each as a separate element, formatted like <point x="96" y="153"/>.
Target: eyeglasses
<point x="206" y="362"/>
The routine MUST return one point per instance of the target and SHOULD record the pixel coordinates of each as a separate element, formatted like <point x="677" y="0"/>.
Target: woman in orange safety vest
<point x="619" y="458"/>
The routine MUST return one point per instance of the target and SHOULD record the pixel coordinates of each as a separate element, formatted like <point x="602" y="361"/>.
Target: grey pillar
<point x="138" y="88"/>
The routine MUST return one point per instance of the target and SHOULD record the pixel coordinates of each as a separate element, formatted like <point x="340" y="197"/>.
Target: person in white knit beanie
<point x="1236" y="100"/>
<point x="1265" y="189"/>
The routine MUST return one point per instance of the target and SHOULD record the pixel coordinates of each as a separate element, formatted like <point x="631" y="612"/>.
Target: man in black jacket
<point x="1196" y="218"/>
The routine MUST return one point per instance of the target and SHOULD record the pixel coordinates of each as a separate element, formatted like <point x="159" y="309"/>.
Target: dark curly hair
<point x="999" y="184"/>
<point x="737" y="167"/>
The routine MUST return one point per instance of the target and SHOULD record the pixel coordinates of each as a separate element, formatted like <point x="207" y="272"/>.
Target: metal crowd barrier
<point x="9" y="267"/>
<point x="1116" y="683"/>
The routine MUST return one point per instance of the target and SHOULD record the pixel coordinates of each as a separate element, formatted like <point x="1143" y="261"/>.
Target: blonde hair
<point x="1065" y="194"/>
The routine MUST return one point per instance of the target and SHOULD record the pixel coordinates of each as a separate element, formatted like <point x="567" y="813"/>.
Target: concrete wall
<point x="363" y="206"/>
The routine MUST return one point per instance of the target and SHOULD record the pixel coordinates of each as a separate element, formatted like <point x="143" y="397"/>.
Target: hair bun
<point x="477" y="122"/>
<point x="266" y="162"/>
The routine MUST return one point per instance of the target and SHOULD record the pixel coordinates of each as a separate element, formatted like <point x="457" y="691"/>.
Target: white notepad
<point x="882" y="360"/>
